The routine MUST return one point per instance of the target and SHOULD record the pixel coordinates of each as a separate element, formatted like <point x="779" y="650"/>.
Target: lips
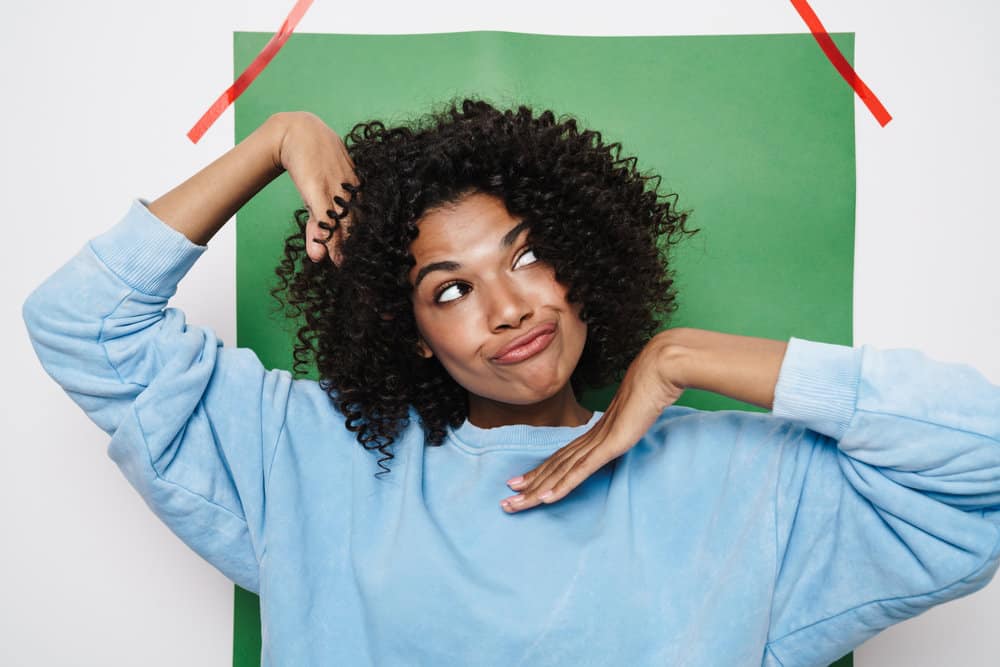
<point x="540" y="330"/>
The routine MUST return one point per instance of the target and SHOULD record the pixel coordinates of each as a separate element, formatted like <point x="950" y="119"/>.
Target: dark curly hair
<point x="592" y="218"/>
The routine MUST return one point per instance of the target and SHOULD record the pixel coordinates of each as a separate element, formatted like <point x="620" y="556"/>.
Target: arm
<point x="888" y="496"/>
<point x="887" y="499"/>
<point x="193" y="424"/>
<point x="202" y="204"/>
<point x="884" y="469"/>
<point x="317" y="162"/>
<point x="740" y="367"/>
<point x="139" y="263"/>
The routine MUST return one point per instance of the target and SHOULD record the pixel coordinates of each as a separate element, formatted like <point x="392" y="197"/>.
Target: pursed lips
<point x="540" y="330"/>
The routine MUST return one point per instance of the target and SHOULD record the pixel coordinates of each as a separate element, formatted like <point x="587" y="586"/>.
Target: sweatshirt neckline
<point x="470" y="437"/>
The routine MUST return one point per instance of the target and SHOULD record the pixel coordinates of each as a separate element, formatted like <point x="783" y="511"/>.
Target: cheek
<point x="446" y="338"/>
<point x="580" y="327"/>
<point x="557" y="295"/>
<point x="562" y="293"/>
<point x="427" y="327"/>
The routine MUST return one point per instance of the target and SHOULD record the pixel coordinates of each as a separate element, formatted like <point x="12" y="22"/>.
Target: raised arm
<point x="201" y="205"/>
<point x="193" y="424"/>
<point x="298" y="141"/>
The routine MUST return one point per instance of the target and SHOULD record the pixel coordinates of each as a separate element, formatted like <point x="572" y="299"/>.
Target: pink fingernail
<point x="515" y="480"/>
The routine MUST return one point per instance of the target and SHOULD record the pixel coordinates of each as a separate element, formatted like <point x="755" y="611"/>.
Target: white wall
<point x="97" y="98"/>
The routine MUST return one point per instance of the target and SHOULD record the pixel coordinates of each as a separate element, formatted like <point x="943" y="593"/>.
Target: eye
<point x="447" y="287"/>
<point x="526" y="253"/>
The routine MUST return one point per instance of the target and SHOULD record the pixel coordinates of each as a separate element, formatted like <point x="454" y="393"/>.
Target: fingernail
<point x="545" y="495"/>
<point x="515" y="480"/>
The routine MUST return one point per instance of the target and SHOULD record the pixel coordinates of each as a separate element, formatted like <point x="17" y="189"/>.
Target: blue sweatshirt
<point x="870" y="493"/>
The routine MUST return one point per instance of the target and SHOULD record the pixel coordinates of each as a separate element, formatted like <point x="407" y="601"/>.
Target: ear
<point x="423" y="350"/>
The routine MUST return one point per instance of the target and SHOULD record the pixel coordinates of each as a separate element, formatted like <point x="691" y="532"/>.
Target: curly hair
<point x="591" y="218"/>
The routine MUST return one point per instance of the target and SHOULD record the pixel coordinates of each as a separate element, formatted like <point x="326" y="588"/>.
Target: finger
<point x="521" y="482"/>
<point x="341" y="220"/>
<point x="528" y="479"/>
<point x="319" y="237"/>
<point x="326" y="227"/>
<point x="315" y="244"/>
<point x="524" y="499"/>
<point x="550" y="485"/>
<point x="552" y="479"/>
<point x="333" y="238"/>
<point x="597" y="434"/>
<point x="589" y="455"/>
<point x="582" y="468"/>
<point x="529" y="498"/>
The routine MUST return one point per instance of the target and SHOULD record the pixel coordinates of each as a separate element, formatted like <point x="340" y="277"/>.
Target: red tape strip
<point x="250" y="73"/>
<point x="838" y="60"/>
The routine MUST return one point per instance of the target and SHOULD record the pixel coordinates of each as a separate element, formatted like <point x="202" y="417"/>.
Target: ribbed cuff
<point x="146" y="253"/>
<point x="818" y="386"/>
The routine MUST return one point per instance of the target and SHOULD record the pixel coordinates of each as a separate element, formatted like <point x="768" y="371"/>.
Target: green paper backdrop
<point x="754" y="132"/>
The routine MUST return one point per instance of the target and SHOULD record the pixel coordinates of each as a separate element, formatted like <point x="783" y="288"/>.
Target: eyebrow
<point x="506" y="242"/>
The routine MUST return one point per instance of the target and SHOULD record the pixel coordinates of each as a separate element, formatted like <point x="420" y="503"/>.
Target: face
<point x="485" y="288"/>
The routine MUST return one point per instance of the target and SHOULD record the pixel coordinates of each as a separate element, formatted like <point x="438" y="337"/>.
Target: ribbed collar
<point x="516" y="436"/>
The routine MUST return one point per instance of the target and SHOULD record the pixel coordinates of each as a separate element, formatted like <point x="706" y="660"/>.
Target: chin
<point x="528" y="395"/>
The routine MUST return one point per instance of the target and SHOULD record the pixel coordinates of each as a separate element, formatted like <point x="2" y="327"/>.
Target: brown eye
<point x="446" y="288"/>
<point x="527" y="252"/>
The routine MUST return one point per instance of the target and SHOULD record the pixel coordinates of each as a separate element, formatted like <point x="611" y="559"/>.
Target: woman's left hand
<point x="651" y="383"/>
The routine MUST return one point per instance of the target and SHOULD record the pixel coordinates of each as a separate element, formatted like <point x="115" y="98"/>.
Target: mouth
<point x="528" y="345"/>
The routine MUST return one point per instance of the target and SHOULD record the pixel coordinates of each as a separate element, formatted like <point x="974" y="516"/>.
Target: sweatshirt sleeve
<point x="888" y="499"/>
<point x="193" y="424"/>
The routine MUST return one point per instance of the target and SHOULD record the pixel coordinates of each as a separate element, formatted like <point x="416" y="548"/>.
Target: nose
<point x="509" y="304"/>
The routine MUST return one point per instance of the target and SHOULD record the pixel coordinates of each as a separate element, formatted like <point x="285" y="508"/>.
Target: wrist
<point x="276" y="128"/>
<point x="676" y="355"/>
<point x="744" y="368"/>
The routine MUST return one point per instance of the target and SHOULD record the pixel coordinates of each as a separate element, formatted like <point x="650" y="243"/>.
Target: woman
<point x="472" y="276"/>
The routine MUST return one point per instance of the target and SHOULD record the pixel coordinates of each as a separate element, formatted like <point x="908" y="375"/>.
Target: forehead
<point x="464" y="232"/>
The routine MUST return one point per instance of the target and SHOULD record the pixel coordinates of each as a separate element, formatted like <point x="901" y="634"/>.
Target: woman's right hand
<point x="323" y="172"/>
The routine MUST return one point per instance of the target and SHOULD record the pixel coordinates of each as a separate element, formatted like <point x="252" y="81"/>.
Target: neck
<point x="561" y="409"/>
